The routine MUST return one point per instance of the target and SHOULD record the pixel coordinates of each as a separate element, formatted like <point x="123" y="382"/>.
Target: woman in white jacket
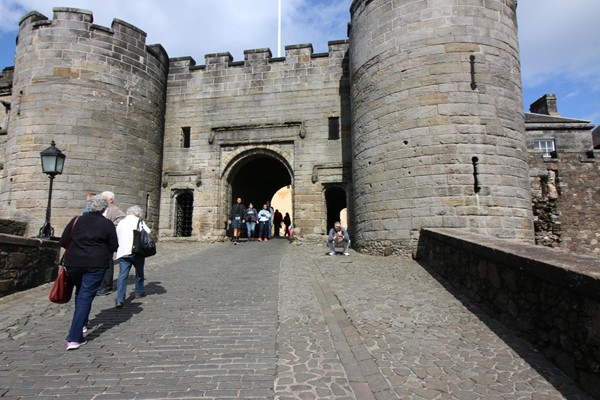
<point x="125" y="230"/>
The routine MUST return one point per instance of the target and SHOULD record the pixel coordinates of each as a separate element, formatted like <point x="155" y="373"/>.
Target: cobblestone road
<point x="271" y="321"/>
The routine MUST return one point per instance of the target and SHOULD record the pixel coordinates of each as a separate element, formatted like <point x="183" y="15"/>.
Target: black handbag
<point x="143" y="245"/>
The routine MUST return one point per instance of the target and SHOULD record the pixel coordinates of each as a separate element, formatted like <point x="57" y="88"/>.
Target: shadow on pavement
<point x="113" y="317"/>
<point x="517" y="342"/>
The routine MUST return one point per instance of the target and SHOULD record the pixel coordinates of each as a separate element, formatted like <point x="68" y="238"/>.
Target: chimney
<point x="544" y="105"/>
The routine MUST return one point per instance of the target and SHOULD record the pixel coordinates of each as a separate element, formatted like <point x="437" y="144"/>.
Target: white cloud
<point x="558" y="38"/>
<point x="195" y="28"/>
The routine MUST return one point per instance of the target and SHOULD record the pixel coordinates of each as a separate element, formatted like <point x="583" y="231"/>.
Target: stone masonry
<point x="414" y="121"/>
<point x="261" y="107"/>
<point x="565" y="185"/>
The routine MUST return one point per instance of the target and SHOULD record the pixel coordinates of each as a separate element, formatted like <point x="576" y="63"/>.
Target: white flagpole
<point x="279" y="32"/>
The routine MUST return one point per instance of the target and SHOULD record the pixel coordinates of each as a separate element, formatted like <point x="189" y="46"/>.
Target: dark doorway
<point x="184" y="210"/>
<point x="335" y="198"/>
<point x="257" y="178"/>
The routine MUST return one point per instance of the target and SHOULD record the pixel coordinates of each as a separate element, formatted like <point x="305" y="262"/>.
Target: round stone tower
<point x="99" y="93"/>
<point x="437" y="121"/>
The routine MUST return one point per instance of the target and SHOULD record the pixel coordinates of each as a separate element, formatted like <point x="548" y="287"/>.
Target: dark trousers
<point x="86" y="280"/>
<point x="107" y="282"/>
<point x="263" y="229"/>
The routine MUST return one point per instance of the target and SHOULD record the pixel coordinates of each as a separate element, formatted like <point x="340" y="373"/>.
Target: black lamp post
<point x="53" y="161"/>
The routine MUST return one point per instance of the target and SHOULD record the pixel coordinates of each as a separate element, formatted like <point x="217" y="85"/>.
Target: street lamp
<point x="53" y="161"/>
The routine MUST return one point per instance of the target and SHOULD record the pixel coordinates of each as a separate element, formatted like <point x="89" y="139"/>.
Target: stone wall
<point x="11" y="227"/>
<point x="549" y="296"/>
<point x="565" y="185"/>
<point x="99" y="93"/>
<point x="566" y="201"/>
<point x="6" y="78"/>
<point x="437" y="128"/>
<point x="276" y="108"/>
<point x="26" y="263"/>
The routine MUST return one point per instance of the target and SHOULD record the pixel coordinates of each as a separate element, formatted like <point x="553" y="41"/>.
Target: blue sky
<point x="559" y="39"/>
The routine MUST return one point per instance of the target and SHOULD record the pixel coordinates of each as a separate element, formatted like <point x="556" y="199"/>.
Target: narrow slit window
<point x="185" y="137"/>
<point x="334" y="128"/>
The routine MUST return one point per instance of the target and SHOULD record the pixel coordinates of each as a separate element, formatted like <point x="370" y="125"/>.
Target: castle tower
<point x="99" y="93"/>
<point x="437" y="121"/>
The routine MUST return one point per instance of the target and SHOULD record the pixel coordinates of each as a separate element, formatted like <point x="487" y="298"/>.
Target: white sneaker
<point x="346" y="253"/>
<point x="75" y="345"/>
<point x="331" y="253"/>
<point x="84" y="330"/>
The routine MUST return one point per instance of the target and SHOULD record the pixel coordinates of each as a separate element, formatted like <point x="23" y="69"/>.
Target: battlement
<point x="79" y="22"/>
<point x="298" y="53"/>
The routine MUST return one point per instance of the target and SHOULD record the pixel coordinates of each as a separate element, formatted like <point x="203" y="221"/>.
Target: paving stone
<point x="271" y="321"/>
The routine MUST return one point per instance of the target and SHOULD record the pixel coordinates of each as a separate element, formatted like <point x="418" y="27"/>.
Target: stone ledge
<point x="565" y="269"/>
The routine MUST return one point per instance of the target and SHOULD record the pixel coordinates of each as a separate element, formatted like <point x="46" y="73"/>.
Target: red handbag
<point x="62" y="290"/>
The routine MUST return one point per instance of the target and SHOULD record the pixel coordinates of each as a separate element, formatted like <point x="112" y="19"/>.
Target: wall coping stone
<point x="576" y="272"/>
<point x="25" y="241"/>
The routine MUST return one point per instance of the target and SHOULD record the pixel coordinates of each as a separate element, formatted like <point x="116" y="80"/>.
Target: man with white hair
<point x="338" y="236"/>
<point x="115" y="215"/>
<point x="133" y="221"/>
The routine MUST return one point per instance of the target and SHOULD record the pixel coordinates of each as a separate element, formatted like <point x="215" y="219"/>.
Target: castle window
<point x="334" y="128"/>
<point x="546" y="146"/>
<point x="185" y="137"/>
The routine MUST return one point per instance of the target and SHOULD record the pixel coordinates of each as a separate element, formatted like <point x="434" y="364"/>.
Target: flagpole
<point x="279" y="32"/>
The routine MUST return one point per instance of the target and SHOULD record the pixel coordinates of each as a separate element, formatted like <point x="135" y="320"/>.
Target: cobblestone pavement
<point x="271" y="321"/>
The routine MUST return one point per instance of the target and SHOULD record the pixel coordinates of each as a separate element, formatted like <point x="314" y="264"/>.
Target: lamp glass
<point x="53" y="160"/>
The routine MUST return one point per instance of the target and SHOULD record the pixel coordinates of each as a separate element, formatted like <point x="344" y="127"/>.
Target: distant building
<point x="565" y="183"/>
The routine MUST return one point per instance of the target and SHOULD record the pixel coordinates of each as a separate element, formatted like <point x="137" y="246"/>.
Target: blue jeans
<point x="87" y="281"/>
<point x="250" y="226"/>
<point x="269" y="226"/>
<point x="125" y="264"/>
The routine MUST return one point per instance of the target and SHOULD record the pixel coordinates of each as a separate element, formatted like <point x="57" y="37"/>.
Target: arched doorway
<point x="256" y="176"/>
<point x="335" y="198"/>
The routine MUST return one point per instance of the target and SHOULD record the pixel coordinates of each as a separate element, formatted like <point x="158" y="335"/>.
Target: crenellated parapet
<point x="299" y="69"/>
<point x="258" y="108"/>
<point x="71" y="38"/>
<point x="99" y="93"/>
<point x="298" y="53"/>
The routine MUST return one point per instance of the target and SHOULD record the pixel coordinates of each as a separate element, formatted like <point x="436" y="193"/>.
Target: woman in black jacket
<point x="89" y="241"/>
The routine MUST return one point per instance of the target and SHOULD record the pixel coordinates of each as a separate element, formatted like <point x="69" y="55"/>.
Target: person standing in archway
<point x="277" y="218"/>
<point x="287" y="221"/>
<point x="251" y="218"/>
<point x="264" y="222"/>
<point x="236" y="218"/>
<point x="270" y="224"/>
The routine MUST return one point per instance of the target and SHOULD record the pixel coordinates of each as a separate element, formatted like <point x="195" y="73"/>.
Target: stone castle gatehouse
<point x="414" y="121"/>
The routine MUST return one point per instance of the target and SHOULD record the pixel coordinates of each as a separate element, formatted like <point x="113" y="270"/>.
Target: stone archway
<point x="257" y="179"/>
<point x="255" y="175"/>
